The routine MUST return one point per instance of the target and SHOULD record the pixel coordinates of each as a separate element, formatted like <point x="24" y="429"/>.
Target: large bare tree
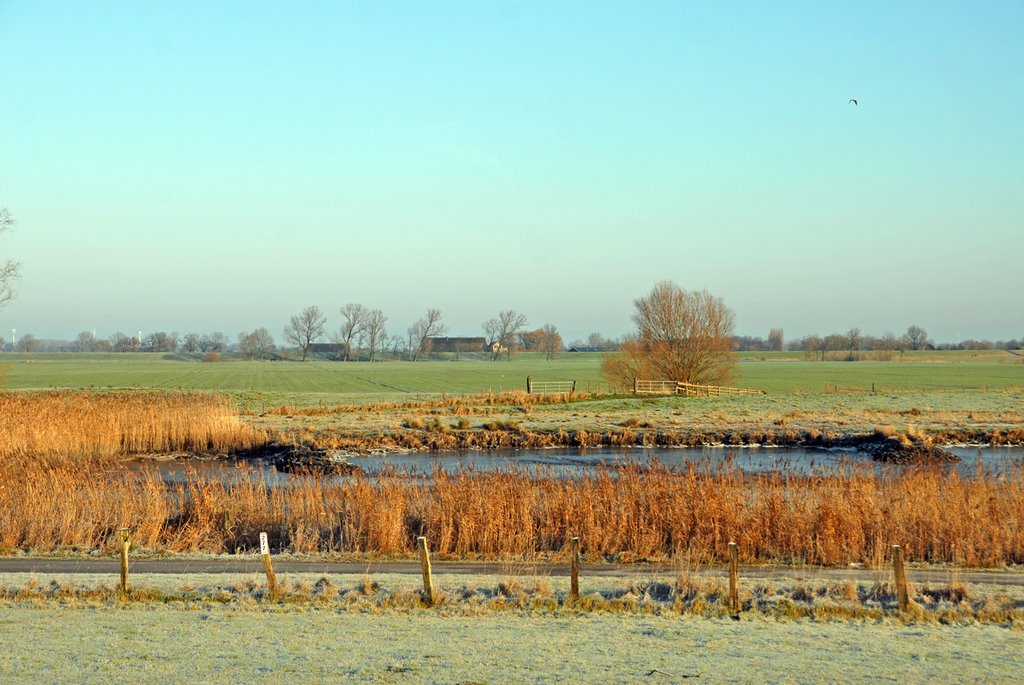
<point x="9" y="270"/>
<point x="304" y="328"/>
<point x="191" y="343"/>
<point x="917" y="338"/>
<point x="427" y="326"/>
<point x="257" y="344"/>
<point x="681" y="335"/>
<point x="854" y="340"/>
<point x="353" y="324"/>
<point x="503" y="332"/>
<point x="376" y="334"/>
<point x="551" y="341"/>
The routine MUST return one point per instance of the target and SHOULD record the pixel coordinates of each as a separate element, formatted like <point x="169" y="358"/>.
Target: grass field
<point x="319" y="381"/>
<point x="952" y="392"/>
<point x="161" y="645"/>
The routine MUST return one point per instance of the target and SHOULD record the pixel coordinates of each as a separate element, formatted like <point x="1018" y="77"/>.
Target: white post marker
<point x="268" y="566"/>
<point x="264" y="545"/>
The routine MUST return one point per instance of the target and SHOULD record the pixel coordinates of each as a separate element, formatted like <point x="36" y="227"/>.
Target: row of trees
<point x="371" y="341"/>
<point x="852" y="343"/>
<point x="363" y="334"/>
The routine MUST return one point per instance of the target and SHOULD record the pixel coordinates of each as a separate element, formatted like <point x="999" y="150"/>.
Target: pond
<point x="571" y="462"/>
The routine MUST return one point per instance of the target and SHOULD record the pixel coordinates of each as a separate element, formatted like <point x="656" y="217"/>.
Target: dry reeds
<point x="97" y="425"/>
<point x="455" y="404"/>
<point x="849" y="515"/>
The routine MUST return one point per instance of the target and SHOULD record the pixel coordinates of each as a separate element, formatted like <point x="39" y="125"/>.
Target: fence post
<point x="268" y="567"/>
<point x="529" y="385"/>
<point x="900" y="573"/>
<point x="428" y="579"/>
<point x="635" y="386"/>
<point x="125" y="545"/>
<point x="734" y="579"/>
<point x="574" y="583"/>
<point x="572" y="390"/>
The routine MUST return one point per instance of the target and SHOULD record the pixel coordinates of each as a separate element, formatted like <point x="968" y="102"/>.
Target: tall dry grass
<point x="850" y="515"/>
<point x="97" y="425"/>
<point x="456" y="404"/>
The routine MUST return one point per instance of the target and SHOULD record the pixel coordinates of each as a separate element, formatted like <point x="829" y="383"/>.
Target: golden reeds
<point x="455" y="404"/>
<point x="849" y="515"/>
<point x="98" y="425"/>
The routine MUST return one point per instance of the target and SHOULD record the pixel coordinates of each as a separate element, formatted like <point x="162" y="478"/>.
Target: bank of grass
<point x="850" y="514"/>
<point x="519" y="420"/>
<point x="89" y="426"/>
<point x="687" y="592"/>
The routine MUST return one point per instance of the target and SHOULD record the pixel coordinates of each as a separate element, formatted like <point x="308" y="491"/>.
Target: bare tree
<point x="27" y="343"/>
<point x="119" y="342"/>
<point x="917" y="338"/>
<point x="9" y="270"/>
<point x="812" y="346"/>
<point x="160" y="342"/>
<point x="86" y="342"/>
<point x="214" y="342"/>
<point x="376" y="333"/>
<point x="191" y="343"/>
<point x="353" y="321"/>
<point x="551" y="342"/>
<point x="531" y="341"/>
<point x="503" y="332"/>
<point x="257" y="344"/>
<point x="833" y="342"/>
<point x="887" y="344"/>
<point x="304" y="328"/>
<point x="399" y="348"/>
<point x="428" y="326"/>
<point x="775" y="340"/>
<point x="853" y="342"/>
<point x="681" y="336"/>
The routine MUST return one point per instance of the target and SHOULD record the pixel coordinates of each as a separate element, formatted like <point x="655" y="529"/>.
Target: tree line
<point x="361" y="335"/>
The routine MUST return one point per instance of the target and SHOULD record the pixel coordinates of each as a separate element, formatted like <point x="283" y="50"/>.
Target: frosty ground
<point x="247" y="640"/>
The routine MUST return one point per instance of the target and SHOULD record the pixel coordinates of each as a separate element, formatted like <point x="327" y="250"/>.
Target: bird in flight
<point x="854" y="101"/>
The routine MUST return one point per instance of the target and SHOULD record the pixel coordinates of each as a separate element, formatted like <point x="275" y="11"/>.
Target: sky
<point x="195" y="166"/>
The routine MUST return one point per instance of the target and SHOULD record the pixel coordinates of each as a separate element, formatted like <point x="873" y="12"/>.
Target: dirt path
<point x="253" y="565"/>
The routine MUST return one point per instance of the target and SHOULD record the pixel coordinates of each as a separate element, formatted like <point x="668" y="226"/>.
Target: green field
<point x="338" y="381"/>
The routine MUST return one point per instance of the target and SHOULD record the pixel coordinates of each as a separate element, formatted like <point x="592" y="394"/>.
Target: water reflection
<point x="568" y="463"/>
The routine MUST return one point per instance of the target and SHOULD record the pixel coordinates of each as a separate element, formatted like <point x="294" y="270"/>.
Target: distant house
<point x="456" y="345"/>
<point x="327" y="350"/>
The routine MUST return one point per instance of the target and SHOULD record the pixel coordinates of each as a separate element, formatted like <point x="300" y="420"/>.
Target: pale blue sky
<point x="198" y="166"/>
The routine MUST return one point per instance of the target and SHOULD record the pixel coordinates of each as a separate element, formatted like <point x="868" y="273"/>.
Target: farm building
<point x="327" y="350"/>
<point x="456" y="345"/>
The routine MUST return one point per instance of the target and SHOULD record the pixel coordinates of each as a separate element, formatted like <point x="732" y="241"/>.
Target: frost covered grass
<point x="216" y="644"/>
<point x="868" y="600"/>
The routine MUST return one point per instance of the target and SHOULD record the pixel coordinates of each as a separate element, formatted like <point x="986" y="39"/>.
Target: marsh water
<point x="567" y="463"/>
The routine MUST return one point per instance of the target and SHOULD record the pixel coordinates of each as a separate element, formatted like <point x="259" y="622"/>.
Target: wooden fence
<point x="688" y="389"/>
<point x="549" y="387"/>
<point x="431" y="597"/>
